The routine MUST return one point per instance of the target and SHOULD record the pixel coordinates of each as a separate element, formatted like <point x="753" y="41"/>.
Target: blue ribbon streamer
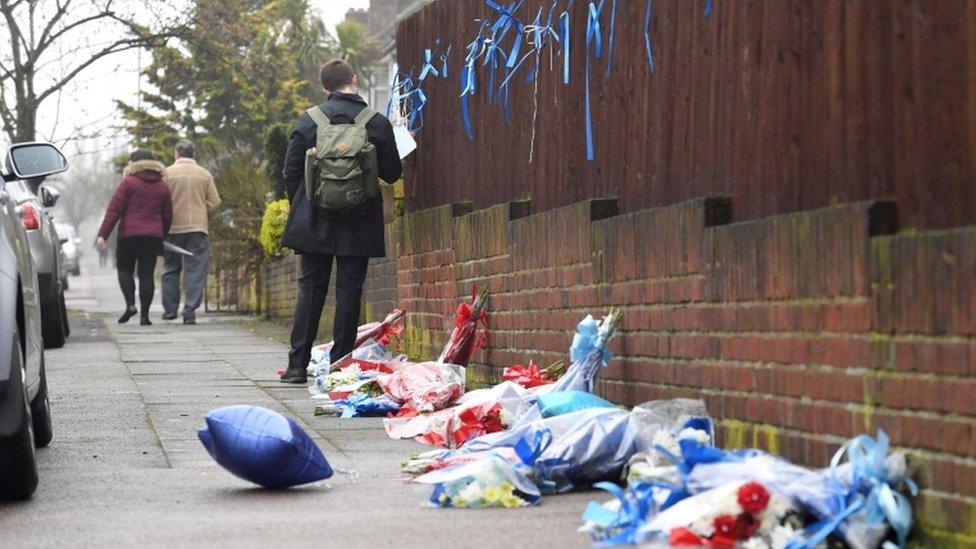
<point x="428" y="67"/>
<point x="565" y="42"/>
<point x="708" y="8"/>
<point x="648" y="44"/>
<point x="870" y="490"/>
<point x="594" y="44"/>
<point x="613" y="28"/>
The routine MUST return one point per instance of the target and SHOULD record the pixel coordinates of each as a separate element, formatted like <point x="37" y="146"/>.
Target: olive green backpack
<point x="341" y="172"/>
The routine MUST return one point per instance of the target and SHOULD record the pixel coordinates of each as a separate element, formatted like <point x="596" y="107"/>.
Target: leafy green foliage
<point x="357" y="49"/>
<point x="275" y="148"/>
<point x="273" y="227"/>
<point x="241" y="67"/>
<point x="243" y="187"/>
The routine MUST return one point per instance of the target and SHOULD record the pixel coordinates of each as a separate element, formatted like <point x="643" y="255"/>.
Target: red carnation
<point x="683" y="537"/>
<point x="725" y="531"/>
<point x="746" y="525"/>
<point x="753" y="497"/>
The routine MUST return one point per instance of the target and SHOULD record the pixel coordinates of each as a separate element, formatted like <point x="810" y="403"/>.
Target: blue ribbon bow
<point x="870" y="490"/>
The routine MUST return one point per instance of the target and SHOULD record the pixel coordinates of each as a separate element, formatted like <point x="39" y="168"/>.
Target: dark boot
<point x="129" y="313"/>
<point x="298" y="377"/>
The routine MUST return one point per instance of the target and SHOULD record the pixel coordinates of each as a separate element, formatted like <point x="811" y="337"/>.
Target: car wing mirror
<point x="34" y="160"/>
<point x="49" y="196"/>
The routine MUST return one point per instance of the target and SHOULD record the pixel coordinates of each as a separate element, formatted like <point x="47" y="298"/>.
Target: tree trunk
<point x="26" y="129"/>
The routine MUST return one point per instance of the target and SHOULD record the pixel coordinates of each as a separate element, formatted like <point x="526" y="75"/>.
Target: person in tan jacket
<point x="194" y="197"/>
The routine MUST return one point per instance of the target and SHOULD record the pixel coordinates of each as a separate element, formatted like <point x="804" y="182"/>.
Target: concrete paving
<point x="125" y="468"/>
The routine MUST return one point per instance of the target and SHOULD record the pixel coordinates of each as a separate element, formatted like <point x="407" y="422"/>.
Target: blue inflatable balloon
<point x="563" y="402"/>
<point x="262" y="447"/>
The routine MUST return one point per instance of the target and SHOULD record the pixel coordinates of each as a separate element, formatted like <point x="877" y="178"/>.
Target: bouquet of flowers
<point x="462" y="341"/>
<point x="531" y="376"/>
<point x="371" y="344"/>
<point x="371" y="350"/>
<point x="361" y="404"/>
<point x="589" y="353"/>
<point x="434" y="460"/>
<point x="383" y="331"/>
<point x="723" y="517"/>
<point x="860" y="501"/>
<point x="477" y="413"/>
<point x="490" y="481"/>
<point x="690" y="503"/>
<point x="424" y="386"/>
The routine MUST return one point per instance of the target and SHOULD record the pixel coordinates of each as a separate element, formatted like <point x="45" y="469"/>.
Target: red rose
<point x="683" y="537"/>
<point x="724" y="527"/>
<point x="746" y="525"/>
<point x="753" y="497"/>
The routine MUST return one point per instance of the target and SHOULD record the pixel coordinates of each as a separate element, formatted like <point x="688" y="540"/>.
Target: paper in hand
<point x="405" y="142"/>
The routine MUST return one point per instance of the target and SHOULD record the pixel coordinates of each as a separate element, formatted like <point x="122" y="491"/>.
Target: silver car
<point x="45" y="248"/>
<point x="25" y="411"/>
<point x="69" y="245"/>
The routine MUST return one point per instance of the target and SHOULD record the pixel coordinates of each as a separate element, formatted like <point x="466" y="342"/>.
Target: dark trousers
<point x="141" y="250"/>
<point x="313" y="285"/>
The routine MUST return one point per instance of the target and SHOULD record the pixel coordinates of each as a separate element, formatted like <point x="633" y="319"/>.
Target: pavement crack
<point x="141" y="396"/>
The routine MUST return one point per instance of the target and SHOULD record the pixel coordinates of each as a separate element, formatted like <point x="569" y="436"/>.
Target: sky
<point x="91" y="104"/>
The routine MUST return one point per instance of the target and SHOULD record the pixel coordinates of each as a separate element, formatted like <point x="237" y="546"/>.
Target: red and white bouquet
<point x="463" y="337"/>
<point x="743" y="513"/>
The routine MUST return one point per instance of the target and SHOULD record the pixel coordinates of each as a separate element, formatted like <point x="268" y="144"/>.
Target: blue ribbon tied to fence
<point x="594" y="46"/>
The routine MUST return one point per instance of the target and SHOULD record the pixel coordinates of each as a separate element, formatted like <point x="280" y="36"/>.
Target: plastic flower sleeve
<point x="589" y="354"/>
<point x="491" y="481"/>
<point x="463" y="339"/>
<point x="596" y="445"/>
<point x="426" y="386"/>
<point x="477" y="413"/>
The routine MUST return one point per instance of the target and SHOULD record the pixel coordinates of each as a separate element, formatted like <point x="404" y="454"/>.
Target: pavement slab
<point x="125" y="468"/>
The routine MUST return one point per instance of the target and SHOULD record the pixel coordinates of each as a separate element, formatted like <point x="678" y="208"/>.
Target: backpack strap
<point x="318" y="116"/>
<point x="364" y="116"/>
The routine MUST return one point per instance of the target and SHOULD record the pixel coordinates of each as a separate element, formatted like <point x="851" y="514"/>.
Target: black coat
<point x="311" y="230"/>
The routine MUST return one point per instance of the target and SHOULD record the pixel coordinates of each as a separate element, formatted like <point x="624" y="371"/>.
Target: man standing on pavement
<point x="340" y="227"/>
<point x="194" y="196"/>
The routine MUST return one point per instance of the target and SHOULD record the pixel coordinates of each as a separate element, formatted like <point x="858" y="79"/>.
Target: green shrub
<point x="273" y="227"/>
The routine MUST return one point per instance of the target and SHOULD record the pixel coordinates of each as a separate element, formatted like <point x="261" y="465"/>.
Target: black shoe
<point x="144" y="321"/>
<point x="291" y="376"/>
<point x="129" y="313"/>
<point x="169" y="316"/>
<point x="187" y="320"/>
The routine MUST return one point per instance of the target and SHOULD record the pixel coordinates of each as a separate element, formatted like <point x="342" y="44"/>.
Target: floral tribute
<point x="464" y="337"/>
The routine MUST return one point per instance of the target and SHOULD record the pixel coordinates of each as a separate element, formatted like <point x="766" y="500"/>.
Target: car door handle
<point x="4" y="197"/>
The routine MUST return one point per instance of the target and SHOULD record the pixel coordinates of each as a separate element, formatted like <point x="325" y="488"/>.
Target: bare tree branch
<point x="116" y="47"/>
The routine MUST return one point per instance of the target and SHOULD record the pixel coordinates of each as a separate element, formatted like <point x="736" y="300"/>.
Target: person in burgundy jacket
<point x="143" y="209"/>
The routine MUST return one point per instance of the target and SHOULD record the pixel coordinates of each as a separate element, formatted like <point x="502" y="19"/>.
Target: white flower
<point x="776" y="509"/>
<point x="779" y="536"/>
<point x="704" y="527"/>
<point x="755" y="543"/>
<point x="664" y="439"/>
<point x="694" y="434"/>
<point x="505" y="417"/>
<point x="471" y="492"/>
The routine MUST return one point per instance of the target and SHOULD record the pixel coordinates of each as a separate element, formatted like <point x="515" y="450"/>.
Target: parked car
<point x="45" y="248"/>
<point x="69" y="245"/>
<point x="25" y="412"/>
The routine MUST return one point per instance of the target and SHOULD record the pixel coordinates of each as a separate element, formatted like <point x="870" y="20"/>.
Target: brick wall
<point x="799" y="331"/>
